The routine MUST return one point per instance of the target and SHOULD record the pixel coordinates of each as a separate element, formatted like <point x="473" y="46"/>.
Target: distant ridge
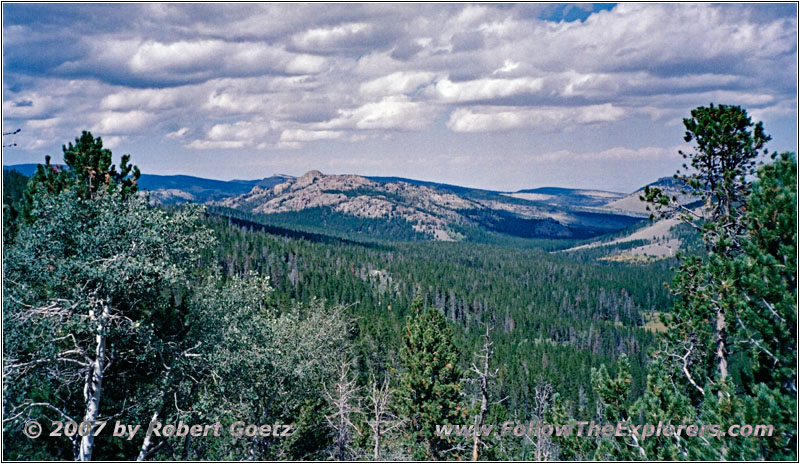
<point x="440" y="211"/>
<point x="182" y="188"/>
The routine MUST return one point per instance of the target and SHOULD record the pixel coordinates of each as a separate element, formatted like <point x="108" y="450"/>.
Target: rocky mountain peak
<point x="308" y="178"/>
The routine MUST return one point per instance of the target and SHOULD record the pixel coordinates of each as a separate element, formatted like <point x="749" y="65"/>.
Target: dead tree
<point x="341" y="398"/>
<point x="382" y="421"/>
<point x="484" y="376"/>
<point x="542" y="402"/>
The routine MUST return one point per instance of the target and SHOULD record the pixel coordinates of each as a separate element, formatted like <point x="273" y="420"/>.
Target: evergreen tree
<point x="430" y="385"/>
<point x="89" y="169"/>
<point x="14" y="186"/>
<point x="765" y="275"/>
<point x="729" y="354"/>
<point x="727" y="146"/>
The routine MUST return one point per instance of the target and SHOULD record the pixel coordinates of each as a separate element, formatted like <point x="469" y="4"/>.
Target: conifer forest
<point x="428" y="231"/>
<point x="363" y="344"/>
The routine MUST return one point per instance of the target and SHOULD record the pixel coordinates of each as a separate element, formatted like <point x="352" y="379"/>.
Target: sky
<point x="496" y="96"/>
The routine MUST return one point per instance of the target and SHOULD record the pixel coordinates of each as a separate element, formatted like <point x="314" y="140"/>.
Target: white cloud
<point x="241" y="134"/>
<point x="330" y="37"/>
<point x="391" y="113"/>
<point x="216" y="144"/>
<point x="150" y="99"/>
<point x="231" y="103"/>
<point x="114" y="141"/>
<point x="545" y="119"/>
<point x="41" y="124"/>
<point x="177" y="56"/>
<point x="486" y="89"/>
<point x="123" y="122"/>
<point x="274" y="75"/>
<point x="302" y="135"/>
<point x="306" y="64"/>
<point x="178" y="134"/>
<point x="397" y="83"/>
<point x="508" y="66"/>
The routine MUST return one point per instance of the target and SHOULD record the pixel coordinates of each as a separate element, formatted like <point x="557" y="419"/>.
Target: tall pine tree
<point x="430" y="386"/>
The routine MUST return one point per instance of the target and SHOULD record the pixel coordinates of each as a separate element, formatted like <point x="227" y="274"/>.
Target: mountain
<point x="568" y="197"/>
<point x="28" y="169"/>
<point x="398" y="208"/>
<point x="439" y="211"/>
<point x="180" y="188"/>
<point x="659" y="239"/>
<point x="632" y="204"/>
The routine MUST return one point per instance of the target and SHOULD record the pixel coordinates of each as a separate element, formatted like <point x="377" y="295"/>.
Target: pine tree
<point x="88" y="169"/>
<point x="766" y="317"/>
<point x="430" y="390"/>
<point x="730" y="350"/>
<point x="727" y="146"/>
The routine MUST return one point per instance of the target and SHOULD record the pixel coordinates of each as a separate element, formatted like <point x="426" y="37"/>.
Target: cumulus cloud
<point x="177" y="134"/>
<point x="295" y="138"/>
<point x="268" y="76"/>
<point x="401" y="82"/>
<point x="302" y="135"/>
<point x="390" y="113"/>
<point x="508" y="66"/>
<point x="486" y="89"/>
<point x="345" y="37"/>
<point x="123" y="122"/>
<point x="544" y="119"/>
<point x="240" y="134"/>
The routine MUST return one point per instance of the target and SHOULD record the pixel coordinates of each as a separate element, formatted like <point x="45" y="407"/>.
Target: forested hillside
<point x="577" y="312"/>
<point x="362" y="338"/>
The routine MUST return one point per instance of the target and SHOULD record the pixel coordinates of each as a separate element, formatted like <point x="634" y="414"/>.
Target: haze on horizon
<point x="503" y="97"/>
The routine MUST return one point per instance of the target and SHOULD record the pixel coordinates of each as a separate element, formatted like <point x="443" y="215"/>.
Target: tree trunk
<point x="484" y="378"/>
<point x="721" y="336"/>
<point x="94" y="386"/>
<point x="481" y="414"/>
<point x="377" y="439"/>
<point x="148" y="442"/>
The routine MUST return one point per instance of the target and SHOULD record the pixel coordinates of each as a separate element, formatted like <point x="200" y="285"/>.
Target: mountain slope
<point x="167" y="189"/>
<point x="442" y="212"/>
<point x="177" y="189"/>
<point x="632" y="204"/>
<point x="398" y="208"/>
<point x="568" y="197"/>
<point x="660" y="239"/>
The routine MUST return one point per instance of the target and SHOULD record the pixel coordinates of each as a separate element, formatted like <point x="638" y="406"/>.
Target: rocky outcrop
<point x="436" y="212"/>
<point x="426" y="209"/>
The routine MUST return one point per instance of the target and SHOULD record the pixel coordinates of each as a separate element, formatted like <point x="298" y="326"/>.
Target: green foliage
<point x="727" y="145"/>
<point x="88" y="169"/>
<point x="242" y="319"/>
<point x="98" y="267"/>
<point x="765" y="277"/>
<point x="551" y="310"/>
<point x="263" y="365"/>
<point x="92" y="165"/>
<point x="14" y="185"/>
<point x="324" y="220"/>
<point x="77" y="256"/>
<point x="430" y="383"/>
<point x="729" y="355"/>
<point x="766" y="273"/>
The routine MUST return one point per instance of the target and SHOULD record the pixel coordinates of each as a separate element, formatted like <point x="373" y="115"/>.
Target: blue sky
<point x="495" y="96"/>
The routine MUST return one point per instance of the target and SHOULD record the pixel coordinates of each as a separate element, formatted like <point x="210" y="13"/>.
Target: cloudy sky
<point x="493" y="96"/>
